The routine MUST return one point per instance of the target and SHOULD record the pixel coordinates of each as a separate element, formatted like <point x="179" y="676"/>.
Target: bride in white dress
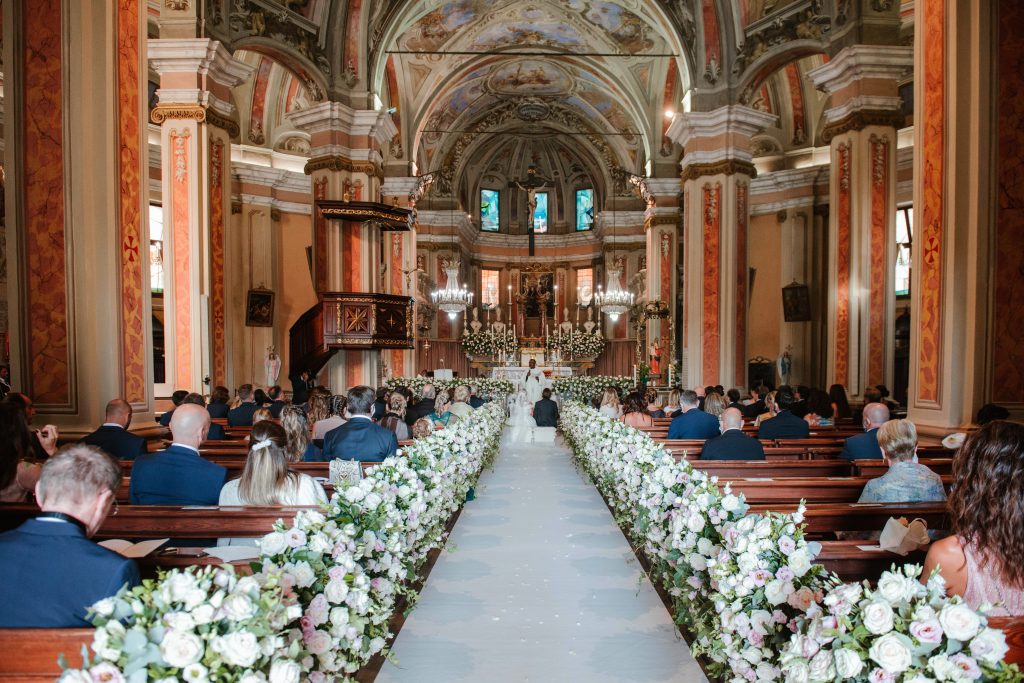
<point x="521" y="418"/>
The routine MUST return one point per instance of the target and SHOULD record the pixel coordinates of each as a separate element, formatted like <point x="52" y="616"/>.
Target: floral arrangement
<point x="485" y="386"/>
<point x="583" y="387"/>
<point x="746" y="586"/>
<point x="577" y="344"/>
<point x="490" y="343"/>
<point x="325" y="589"/>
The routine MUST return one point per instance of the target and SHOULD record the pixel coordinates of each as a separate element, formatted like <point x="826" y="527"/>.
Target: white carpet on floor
<point x="538" y="584"/>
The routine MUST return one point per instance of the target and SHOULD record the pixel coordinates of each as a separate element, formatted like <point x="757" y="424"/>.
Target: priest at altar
<point x="533" y="382"/>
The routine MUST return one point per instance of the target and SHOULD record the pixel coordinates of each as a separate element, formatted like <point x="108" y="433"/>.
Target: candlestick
<point x="510" y="295"/>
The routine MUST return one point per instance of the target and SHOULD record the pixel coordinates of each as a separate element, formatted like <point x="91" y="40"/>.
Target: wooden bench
<point x="30" y="655"/>
<point x="851" y="563"/>
<point x="827" y="518"/>
<point x="727" y="469"/>
<point x="876" y="468"/>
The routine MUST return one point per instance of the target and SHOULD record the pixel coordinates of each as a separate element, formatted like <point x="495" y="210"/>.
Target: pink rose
<point x="927" y="631"/>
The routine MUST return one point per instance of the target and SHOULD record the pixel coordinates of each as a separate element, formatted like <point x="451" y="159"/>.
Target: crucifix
<point x="530" y="185"/>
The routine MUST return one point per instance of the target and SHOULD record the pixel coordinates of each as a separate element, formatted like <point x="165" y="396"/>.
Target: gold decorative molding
<point x="861" y="119"/>
<point x="727" y="167"/>
<point x="336" y="162"/>
<point x="188" y="112"/>
<point x="664" y="220"/>
<point x="230" y="126"/>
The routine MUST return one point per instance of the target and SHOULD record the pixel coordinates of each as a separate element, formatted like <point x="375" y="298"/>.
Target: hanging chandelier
<point x="452" y="299"/>
<point x="613" y="301"/>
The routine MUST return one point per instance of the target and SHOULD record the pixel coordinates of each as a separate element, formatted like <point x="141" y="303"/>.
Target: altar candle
<point x="510" y="295"/>
<point x="557" y="309"/>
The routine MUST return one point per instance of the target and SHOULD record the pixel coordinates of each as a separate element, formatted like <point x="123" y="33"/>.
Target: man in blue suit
<point x="242" y="415"/>
<point x="692" y="423"/>
<point x="50" y="571"/>
<point x="176" y="398"/>
<point x="216" y="432"/>
<point x="865" y="446"/>
<point x="785" y="425"/>
<point x="359" y="438"/>
<point x="733" y="444"/>
<point x="113" y="435"/>
<point x="178" y="475"/>
<point x="474" y="400"/>
<point x="276" y="394"/>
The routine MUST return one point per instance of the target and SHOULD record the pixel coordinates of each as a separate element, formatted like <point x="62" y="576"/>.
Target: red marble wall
<point x="741" y="282"/>
<point x="320" y="238"/>
<point x="842" y="319"/>
<point x="180" y="143"/>
<point x="712" y="218"/>
<point x="218" y="302"/>
<point x="879" y="258"/>
<point x="712" y="38"/>
<point x="1007" y="344"/>
<point x="48" y="371"/>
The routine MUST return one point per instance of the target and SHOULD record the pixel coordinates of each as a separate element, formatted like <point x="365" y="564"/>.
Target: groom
<point x="532" y="382"/>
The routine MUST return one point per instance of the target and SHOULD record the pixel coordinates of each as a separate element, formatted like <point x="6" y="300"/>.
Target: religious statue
<point x="533" y="182"/>
<point x="785" y="365"/>
<point x="656" y="358"/>
<point x="475" y="325"/>
<point x="566" y="326"/>
<point x="497" y="326"/>
<point x="272" y="365"/>
<point x="590" y="324"/>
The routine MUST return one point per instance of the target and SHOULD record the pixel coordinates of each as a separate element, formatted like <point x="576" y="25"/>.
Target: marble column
<point x="860" y="126"/>
<point x="716" y="172"/>
<point x="400" y="276"/>
<point x="661" y="226"/>
<point x="345" y="163"/>
<point x="197" y="121"/>
<point x="75" y="161"/>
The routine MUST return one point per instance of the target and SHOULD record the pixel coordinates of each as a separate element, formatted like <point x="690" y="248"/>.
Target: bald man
<point x="865" y="446"/>
<point x="733" y="444"/>
<point x="113" y="436"/>
<point x="178" y="475"/>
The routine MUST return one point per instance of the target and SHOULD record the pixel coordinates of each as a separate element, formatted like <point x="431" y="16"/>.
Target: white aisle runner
<point x="541" y="586"/>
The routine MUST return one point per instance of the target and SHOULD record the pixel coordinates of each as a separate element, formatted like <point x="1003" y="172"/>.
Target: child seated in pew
<point x="981" y="560"/>
<point x="266" y="478"/>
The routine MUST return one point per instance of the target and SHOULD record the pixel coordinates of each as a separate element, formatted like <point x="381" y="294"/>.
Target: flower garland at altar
<point x="485" y="386"/>
<point x="585" y="387"/>
<point x="490" y="343"/>
<point x="320" y="601"/>
<point x="748" y="590"/>
<point x="577" y="344"/>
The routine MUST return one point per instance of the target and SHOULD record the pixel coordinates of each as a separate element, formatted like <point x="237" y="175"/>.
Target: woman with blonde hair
<point x="422" y="427"/>
<point x="330" y="417"/>
<point x="610" y="403"/>
<point x="769" y="407"/>
<point x="715" y="404"/>
<point x="672" y="407"/>
<point x="394" y="418"/>
<point x="442" y="417"/>
<point x="300" y="447"/>
<point x="319" y="406"/>
<point x="460" y="402"/>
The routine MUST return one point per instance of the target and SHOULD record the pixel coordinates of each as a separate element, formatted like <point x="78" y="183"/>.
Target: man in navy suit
<point x="50" y="571"/>
<point x="865" y="446"/>
<point x="360" y="438"/>
<point x="756" y="405"/>
<point x="276" y="395"/>
<point x="785" y="425"/>
<point x="216" y="432"/>
<point x="545" y="411"/>
<point x="474" y="400"/>
<point x="733" y="444"/>
<point x="692" y="423"/>
<point x="113" y="435"/>
<point x="178" y="475"/>
<point x="242" y="415"/>
<point x="176" y="398"/>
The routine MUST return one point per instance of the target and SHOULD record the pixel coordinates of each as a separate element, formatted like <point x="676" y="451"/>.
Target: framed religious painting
<point x="796" y="303"/>
<point x="259" y="308"/>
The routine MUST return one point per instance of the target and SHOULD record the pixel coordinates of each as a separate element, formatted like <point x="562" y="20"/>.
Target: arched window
<point x="490" y="220"/>
<point x="584" y="209"/>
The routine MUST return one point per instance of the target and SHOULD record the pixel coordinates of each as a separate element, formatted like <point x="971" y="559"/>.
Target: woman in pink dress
<point x="981" y="560"/>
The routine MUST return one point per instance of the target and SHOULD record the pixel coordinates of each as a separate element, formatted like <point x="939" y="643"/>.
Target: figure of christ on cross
<point x="530" y="185"/>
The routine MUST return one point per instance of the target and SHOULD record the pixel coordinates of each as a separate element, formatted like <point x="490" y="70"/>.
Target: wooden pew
<point x="1013" y="627"/>
<point x="730" y="469"/>
<point x="851" y="563"/>
<point x="782" y="490"/>
<point x="876" y="468"/>
<point x="29" y="655"/>
<point x="827" y="518"/>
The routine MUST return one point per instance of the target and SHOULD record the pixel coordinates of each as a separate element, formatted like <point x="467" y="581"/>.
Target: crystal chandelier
<point x="613" y="301"/>
<point x="452" y="299"/>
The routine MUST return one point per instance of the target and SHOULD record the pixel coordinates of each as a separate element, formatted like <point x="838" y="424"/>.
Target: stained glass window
<point x="904" y="239"/>
<point x="584" y="286"/>
<point x="489" y="288"/>
<point x="584" y="209"/>
<point x="540" y="213"/>
<point x="489" y="220"/>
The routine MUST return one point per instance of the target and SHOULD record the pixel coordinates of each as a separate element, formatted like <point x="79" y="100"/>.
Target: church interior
<point x="663" y="194"/>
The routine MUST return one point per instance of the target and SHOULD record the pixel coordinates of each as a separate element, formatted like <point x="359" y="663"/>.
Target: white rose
<point x="238" y="649"/>
<point x="799" y="562"/>
<point x="194" y="673"/>
<point x="891" y="652"/>
<point x="238" y="607"/>
<point x="178" y="586"/>
<point x="848" y="663"/>
<point x="944" y="669"/>
<point x="697" y="561"/>
<point x="179" y="621"/>
<point x="704" y="546"/>
<point x="273" y="543"/>
<point x="919" y="678"/>
<point x="179" y="649"/>
<point x="730" y="503"/>
<point x="104" y="607"/>
<point x="797" y="672"/>
<point x="303" y="573"/>
<point x="822" y="668"/>
<point x="203" y="614"/>
<point x="336" y="591"/>
<point x="776" y="591"/>
<point x="284" y="671"/>
<point x="989" y="645"/>
<point x="372" y="501"/>
<point x="318" y="642"/>
<point x="354" y="494"/>
<point x="75" y="676"/>
<point x="253" y="678"/>
<point x="106" y="672"/>
<point x="959" y="621"/>
<point x="878" y="617"/>
<point x="893" y="587"/>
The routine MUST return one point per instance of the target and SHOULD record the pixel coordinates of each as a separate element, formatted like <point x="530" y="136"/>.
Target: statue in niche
<point x="566" y="326"/>
<point x="785" y="366"/>
<point x="475" y="325"/>
<point x="497" y="326"/>
<point x="590" y="324"/>
<point x="272" y="366"/>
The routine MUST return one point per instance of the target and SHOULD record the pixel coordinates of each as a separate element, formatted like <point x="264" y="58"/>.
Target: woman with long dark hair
<point x="981" y="559"/>
<point x="840" y="404"/>
<point x="18" y="476"/>
<point x="635" y="411"/>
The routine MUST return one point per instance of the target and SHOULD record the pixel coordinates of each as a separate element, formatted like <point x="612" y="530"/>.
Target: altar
<point x="515" y="374"/>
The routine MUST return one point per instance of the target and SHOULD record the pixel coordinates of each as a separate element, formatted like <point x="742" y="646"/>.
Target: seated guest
<point x="819" y="409"/>
<point x="360" y="438"/>
<point x="178" y="475"/>
<point x="333" y="410"/>
<point x="653" y="409"/>
<point x="277" y="402"/>
<point x="266" y="478"/>
<point x="44" y="441"/>
<point x="840" y="404"/>
<point x="883" y="393"/>
<point x="801" y="393"/>
<point x="733" y="396"/>
<point x="422" y="427"/>
<point x="610" y="404"/>
<point x="300" y="447"/>
<point x="216" y="432"/>
<point x="380" y="404"/>
<point x="421" y="408"/>
<point x="394" y="419"/>
<point x="262" y="414"/>
<point x="785" y="425"/>
<point x="672" y="408"/>
<point x="18" y="475"/>
<point x="871" y="395"/>
<point x="176" y="398"/>
<point x="733" y="444"/>
<point x="242" y="415"/>
<point x="714" y="404"/>
<point x="303" y="383"/>
<point x="981" y="559"/>
<point x="5" y="380"/>
<point x="50" y="572"/>
<point x="907" y="481"/>
<point x="545" y="411"/>
<point x="440" y="415"/>
<point x="113" y="436"/>
<point x="634" y="411"/>
<point x="769" y="406"/>
<point x="474" y="400"/>
<point x="757" y="406"/>
<point x="260" y="398"/>
<point x="218" y="407"/>
<point x="692" y="423"/>
<point x="990" y="412"/>
<point x="460" y="403"/>
<point x="865" y="446"/>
